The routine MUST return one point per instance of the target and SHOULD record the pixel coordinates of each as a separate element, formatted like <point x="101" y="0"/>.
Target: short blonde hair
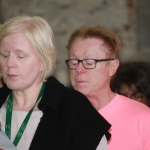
<point x="110" y="39"/>
<point x="39" y="34"/>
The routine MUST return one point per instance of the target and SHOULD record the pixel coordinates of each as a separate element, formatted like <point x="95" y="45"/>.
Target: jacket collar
<point x="4" y="92"/>
<point x="52" y="94"/>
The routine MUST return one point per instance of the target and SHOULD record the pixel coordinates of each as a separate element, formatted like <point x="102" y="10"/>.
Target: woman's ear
<point x="113" y="67"/>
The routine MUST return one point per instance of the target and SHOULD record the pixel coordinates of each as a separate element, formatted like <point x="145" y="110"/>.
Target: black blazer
<point x="69" y="121"/>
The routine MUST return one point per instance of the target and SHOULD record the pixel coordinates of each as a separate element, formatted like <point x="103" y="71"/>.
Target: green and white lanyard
<point x="24" y="123"/>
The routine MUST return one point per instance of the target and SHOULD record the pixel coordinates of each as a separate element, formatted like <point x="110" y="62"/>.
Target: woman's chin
<point x="13" y="87"/>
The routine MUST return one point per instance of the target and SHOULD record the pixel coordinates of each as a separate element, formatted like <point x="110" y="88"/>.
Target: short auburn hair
<point x="110" y="39"/>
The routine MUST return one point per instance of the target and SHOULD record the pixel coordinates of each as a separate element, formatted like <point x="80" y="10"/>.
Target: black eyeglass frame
<point x="96" y="60"/>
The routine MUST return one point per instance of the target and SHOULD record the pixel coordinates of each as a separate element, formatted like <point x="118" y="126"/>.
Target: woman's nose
<point x="10" y="61"/>
<point x="80" y="68"/>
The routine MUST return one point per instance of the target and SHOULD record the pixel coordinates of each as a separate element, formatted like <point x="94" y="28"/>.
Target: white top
<point x="102" y="144"/>
<point x="17" y="119"/>
<point x="5" y="143"/>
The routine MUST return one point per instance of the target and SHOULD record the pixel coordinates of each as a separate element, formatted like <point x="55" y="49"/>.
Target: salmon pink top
<point x="130" y="122"/>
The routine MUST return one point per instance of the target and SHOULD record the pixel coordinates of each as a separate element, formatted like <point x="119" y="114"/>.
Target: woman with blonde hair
<point x="36" y="111"/>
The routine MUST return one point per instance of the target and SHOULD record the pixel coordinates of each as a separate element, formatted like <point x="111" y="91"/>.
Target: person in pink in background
<point x="93" y="60"/>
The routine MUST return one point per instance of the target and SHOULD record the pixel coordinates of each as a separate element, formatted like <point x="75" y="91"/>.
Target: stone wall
<point x="64" y="16"/>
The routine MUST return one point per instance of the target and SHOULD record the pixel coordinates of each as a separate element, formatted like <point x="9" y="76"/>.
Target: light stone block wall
<point x="64" y="16"/>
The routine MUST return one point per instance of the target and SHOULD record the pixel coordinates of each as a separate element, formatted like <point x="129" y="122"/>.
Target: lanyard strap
<point x="24" y="123"/>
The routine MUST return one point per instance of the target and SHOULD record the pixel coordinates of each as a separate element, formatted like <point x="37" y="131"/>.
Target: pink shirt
<point x="130" y="122"/>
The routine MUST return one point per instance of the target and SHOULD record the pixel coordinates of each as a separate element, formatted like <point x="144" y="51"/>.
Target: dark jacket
<point x="69" y="121"/>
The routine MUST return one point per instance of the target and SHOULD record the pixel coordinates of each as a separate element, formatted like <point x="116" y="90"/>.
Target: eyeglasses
<point x="87" y="63"/>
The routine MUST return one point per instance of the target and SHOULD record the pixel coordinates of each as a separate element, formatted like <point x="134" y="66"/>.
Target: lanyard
<point x="24" y="123"/>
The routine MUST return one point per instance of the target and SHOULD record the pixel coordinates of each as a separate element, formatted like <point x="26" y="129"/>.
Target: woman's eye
<point x="90" y="62"/>
<point x="20" y="56"/>
<point x="74" y="63"/>
<point x="4" y="55"/>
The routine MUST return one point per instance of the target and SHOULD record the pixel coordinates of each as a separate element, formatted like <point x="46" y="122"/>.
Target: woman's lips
<point x="12" y="75"/>
<point x="81" y="82"/>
